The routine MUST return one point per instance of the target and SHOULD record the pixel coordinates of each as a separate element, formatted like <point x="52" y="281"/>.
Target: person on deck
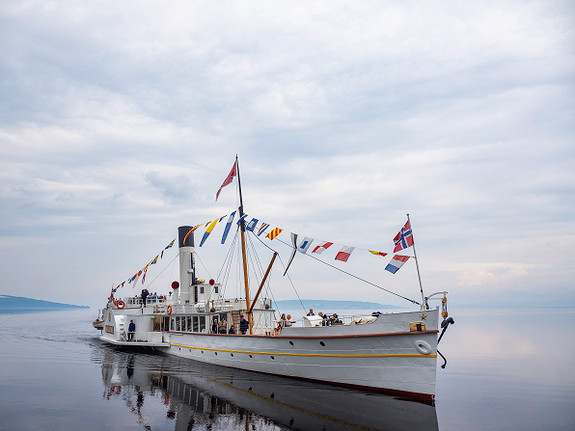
<point x="145" y="294"/>
<point x="311" y="313"/>
<point x="131" y="330"/>
<point x="244" y="325"/>
<point x="215" y="325"/>
<point x="288" y="320"/>
<point x="223" y="328"/>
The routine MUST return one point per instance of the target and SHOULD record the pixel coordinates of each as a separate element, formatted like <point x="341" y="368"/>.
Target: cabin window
<point x="178" y="323"/>
<point x="215" y="289"/>
<point x="201" y="290"/>
<point x="189" y="324"/>
<point x="202" y="323"/>
<point x="173" y="324"/>
<point x="196" y="324"/>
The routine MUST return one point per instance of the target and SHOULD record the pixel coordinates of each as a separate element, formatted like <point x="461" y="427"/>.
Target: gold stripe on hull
<point x="318" y="355"/>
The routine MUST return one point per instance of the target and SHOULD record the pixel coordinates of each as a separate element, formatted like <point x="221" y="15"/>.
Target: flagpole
<point x="243" y="241"/>
<point x="423" y="303"/>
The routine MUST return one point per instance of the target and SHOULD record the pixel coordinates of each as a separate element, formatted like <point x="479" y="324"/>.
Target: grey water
<point x="507" y="370"/>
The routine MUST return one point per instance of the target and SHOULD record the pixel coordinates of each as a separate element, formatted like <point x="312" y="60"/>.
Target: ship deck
<point x="136" y="343"/>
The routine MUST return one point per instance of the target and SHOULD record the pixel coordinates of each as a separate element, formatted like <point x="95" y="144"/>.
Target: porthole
<point x="232" y="355"/>
<point x="322" y="343"/>
<point x="251" y="356"/>
<point x="291" y="342"/>
<point x="216" y="353"/>
<point x="272" y="396"/>
<point x="272" y="357"/>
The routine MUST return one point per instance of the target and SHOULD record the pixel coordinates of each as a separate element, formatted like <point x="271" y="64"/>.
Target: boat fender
<point x="169" y="309"/>
<point x="120" y="304"/>
<point x="423" y="347"/>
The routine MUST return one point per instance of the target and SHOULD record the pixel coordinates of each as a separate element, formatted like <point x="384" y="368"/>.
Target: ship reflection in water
<point x="157" y="389"/>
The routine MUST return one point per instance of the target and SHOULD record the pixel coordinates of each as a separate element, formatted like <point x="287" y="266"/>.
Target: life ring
<point x="169" y="310"/>
<point x="423" y="347"/>
<point x="120" y="304"/>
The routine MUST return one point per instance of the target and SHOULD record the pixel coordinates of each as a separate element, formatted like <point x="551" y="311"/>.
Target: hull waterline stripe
<point x="320" y="355"/>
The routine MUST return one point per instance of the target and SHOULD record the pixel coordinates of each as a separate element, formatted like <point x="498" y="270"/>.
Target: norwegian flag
<point x="404" y="237"/>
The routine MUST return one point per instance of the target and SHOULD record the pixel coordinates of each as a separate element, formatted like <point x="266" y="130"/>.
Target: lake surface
<point x="507" y="370"/>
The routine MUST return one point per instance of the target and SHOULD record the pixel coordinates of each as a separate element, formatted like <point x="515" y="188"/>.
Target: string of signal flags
<point x="403" y="239"/>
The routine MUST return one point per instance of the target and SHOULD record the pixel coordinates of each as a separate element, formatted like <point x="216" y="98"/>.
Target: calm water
<point x="507" y="370"/>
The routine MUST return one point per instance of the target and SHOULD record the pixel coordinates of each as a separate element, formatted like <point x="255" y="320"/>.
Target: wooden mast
<point x="243" y="240"/>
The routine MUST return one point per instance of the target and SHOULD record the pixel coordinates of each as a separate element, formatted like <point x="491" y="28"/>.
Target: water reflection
<point x="184" y="395"/>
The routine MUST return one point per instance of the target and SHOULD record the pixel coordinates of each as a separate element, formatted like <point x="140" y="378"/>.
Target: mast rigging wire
<point x="345" y="272"/>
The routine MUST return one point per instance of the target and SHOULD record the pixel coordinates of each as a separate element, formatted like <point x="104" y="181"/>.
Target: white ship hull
<point x="383" y="355"/>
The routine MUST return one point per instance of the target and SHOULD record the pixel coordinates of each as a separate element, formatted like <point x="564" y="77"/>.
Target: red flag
<point x="228" y="180"/>
<point x="344" y="253"/>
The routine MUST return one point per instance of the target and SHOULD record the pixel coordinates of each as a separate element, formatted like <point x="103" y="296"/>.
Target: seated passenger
<point x="288" y="320"/>
<point x="282" y="321"/>
<point x="244" y="324"/>
<point x="223" y="326"/>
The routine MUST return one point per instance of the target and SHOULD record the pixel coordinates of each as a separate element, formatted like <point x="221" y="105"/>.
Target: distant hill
<point x="320" y="304"/>
<point x="19" y="304"/>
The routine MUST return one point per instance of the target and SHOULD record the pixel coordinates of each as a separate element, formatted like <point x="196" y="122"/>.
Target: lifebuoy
<point x="423" y="347"/>
<point x="120" y="304"/>
<point x="169" y="309"/>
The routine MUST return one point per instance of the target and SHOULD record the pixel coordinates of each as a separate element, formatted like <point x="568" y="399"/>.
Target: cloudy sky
<point x="120" y="120"/>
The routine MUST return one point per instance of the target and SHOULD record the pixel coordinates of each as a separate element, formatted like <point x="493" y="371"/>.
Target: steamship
<point x="392" y="352"/>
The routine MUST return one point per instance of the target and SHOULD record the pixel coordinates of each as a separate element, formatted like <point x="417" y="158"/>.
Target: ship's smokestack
<point x="187" y="267"/>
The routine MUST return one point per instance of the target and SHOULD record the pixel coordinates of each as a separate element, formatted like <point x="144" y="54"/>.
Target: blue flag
<point x="227" y="228"/>
<point x="252" y="224"/>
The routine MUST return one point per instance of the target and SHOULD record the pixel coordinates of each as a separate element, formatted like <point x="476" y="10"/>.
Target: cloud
<point x="122" y="116"/>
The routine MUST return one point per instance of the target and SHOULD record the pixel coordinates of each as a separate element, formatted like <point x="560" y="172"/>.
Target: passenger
<point x="336" y="320"/>
<point x="311" y="313"/>
<point x="145" y="294"/>
<point x="223" y="326"/>
<point x="323" y="318"/>
<point x="282" y="321"/>
<point x="215" y="325"/>
<point x="244" y="324"/>
<point x="232" y="330"/>
<point x="288" y="320"/>
<point x="131" y="330"/>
